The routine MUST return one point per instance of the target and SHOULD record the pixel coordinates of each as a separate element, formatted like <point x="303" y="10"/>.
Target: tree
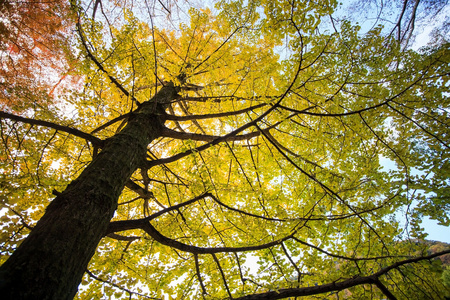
<point x="247" y="132"/>
<point x="34" y="56"/>
<point x="406" y="16"/>
<point x="446" y="276"/>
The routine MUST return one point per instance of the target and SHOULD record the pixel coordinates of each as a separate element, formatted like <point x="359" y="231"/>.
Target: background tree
<point x="34" y="51"/>
<point x="245" y="134"/>
<point x="405" y="19"/>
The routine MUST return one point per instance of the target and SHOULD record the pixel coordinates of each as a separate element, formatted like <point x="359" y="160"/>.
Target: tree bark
<point x="51" y="261"/>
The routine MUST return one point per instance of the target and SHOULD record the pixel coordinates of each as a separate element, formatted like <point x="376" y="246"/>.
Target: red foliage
<point x="33" y="46"/>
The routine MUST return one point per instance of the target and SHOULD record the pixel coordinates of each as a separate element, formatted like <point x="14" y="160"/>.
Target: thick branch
<point x="386" y="102"/>
<point x="385" y="290"/>
<point x="305" y="112"/>
<point x="218" y="99"/>
<point x="117" y="226"/>
<point x="111" y="122"/>
<point x="209" y="144"/>
<point x="94" y="140"/>
<point x="123" y="238"/>
<point x="336" y="286"/>
<point x="143" y="193"/>
<point x="156" y="235"/>
<point x="210" y="116"/>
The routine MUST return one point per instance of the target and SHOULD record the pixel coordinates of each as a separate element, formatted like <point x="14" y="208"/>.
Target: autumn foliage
<point x="33" y="44"/>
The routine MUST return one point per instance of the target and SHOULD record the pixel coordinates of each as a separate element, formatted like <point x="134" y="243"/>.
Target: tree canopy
<point x="265" y="149"/>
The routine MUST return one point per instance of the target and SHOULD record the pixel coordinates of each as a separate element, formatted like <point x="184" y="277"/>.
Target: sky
<point x="436" y="232"/>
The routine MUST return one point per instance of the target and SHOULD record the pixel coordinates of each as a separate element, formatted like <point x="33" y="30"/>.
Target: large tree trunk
<point x="51" y="261"/>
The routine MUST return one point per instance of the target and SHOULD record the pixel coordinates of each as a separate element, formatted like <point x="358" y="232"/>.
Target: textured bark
<point x="51" y="261"/>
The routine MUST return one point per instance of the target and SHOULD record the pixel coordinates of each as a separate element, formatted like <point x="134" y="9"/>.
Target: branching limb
<point x="22" y="219"/>
<point x="210" y="116"/>
<point x="234" y="132"/>
<point x="100" y="66"/>
<point x="325" y="188"/>
<point x="290" y="259"/>
<point x="217" y="99"/>
<point x="166" y="132"/>
<point x="339" y="256"/>
<point x="143" y="193"/>
<point x="123" y="238"/>
<point x="155" y="234"/>
<point x="420" y="126"/>
<point x="117" y="226"/>
<point x="94" y="140"/>
<point x="199" y="276"/>
<point x="222" y="274"/>
<point x="111" y="122"/>
<point x="337" y="286"/>
<point x="275" y="141"/>
<point x="247" y="213"/>
<point x="218" y="48"/>
<point x="384" y="290"/>
<point x="207" y="145"/>
<point x="185" y="108"/>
